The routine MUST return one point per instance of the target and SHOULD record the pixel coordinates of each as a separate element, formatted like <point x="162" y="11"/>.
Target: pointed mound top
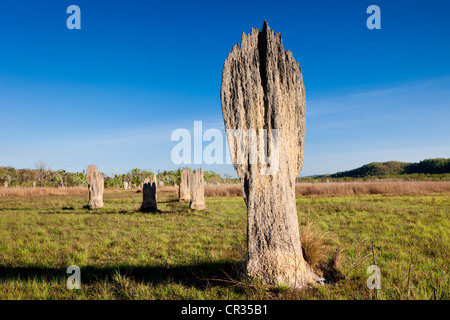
<point x="266" y="29"/>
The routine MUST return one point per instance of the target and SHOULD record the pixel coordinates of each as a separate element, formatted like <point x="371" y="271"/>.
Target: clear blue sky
<point x="113" y="92"/>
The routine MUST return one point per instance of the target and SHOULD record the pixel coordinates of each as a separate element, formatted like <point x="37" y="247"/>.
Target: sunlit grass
<point x="177" y="253"/>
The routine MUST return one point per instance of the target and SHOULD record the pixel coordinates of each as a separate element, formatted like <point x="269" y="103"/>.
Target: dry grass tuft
<point x="318" y="251"/>
<point x="337" y="259"/>
<point x="315" y="246"/>
<point x="332" y="270"/>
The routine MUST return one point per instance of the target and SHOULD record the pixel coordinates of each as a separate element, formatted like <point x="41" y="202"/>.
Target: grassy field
<point x="182" y="254"/>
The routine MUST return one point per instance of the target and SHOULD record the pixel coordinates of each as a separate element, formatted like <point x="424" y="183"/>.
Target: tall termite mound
<point x="262" y="93"/>
<point x="149" y="196"/>
<point x="96" y="185"/>
<point x="184" y="189"/>
<point x="197" y="190"/>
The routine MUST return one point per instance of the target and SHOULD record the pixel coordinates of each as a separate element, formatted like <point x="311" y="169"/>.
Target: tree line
<point x="43" y="176"/>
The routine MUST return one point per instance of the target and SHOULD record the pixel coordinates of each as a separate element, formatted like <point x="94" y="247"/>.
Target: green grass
<point x="182" y="254"/>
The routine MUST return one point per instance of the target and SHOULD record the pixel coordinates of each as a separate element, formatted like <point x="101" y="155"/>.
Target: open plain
<point x="178" y="253"/>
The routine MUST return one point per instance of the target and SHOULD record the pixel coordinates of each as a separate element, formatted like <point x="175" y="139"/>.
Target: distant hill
<point x="395" y="168"/>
